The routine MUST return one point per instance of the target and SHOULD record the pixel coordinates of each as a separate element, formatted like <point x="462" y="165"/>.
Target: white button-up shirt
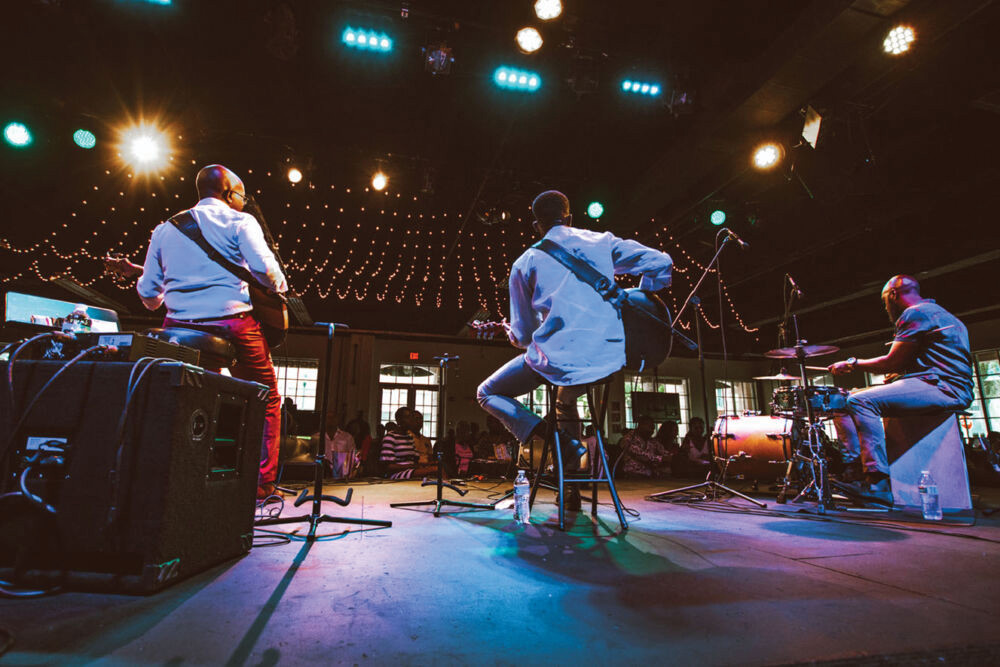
<point x="179" y="273"/>
<point x="570" y="333"/>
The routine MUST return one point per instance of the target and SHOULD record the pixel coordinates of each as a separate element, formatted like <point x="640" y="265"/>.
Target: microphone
<point x="733" y="236"/>
<point x="795" y="286"/>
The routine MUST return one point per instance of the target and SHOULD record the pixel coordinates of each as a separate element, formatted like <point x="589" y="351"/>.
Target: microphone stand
<point x="711" y="486"/>
<point x="317" y="517"/>
<point x="440" y="501"/>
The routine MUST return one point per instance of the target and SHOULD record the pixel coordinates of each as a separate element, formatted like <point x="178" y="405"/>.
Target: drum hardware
<point x="807" y="351"/>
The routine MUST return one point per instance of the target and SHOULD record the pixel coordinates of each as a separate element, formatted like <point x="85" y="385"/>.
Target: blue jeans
<point x="515" y="378"/>
<point x="861" y="430"/>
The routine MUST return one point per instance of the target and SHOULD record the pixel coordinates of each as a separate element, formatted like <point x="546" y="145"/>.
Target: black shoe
<point x="572" y="451"/>
<point x="852" y="472"/>
<point x="878" y="492"/>
<point x="573" y="501"/>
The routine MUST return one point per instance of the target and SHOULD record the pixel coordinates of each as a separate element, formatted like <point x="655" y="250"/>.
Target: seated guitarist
<point x="570" y="334"/>
<point x="201" y="294"/>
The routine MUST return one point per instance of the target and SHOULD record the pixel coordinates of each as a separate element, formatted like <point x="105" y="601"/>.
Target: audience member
<point x="695" y="456"/>
<point x="643" y="454"/>
<point x="338" y="448"/>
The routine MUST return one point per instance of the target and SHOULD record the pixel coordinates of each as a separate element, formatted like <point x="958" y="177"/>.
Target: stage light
<point x="515" y="79"/>
<point x="294" y="175"/>
<point x="17" y="135"/>
<point x="718" y="217"/>
<point x="641" y="87"/>
<point x="368" y="40"/>
<point x="379" y="181"/>
<point x="595" y="209"/>
<point x="898" y="40"/>
<point x="547" y="10"/>
<point x="766" y="156"/>
<point x="84" y="139"/>
<point x="144" y="148"/>
<point x="529" y="40"/>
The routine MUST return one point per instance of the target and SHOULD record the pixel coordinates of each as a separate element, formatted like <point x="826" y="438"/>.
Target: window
<point x="985" y="406"/>
<point x="733" y="397"/>
<point x="538" y="402"/>
<point x="297" y="380"/>
<point x="874" y="379"/>
<point x="413" y="386"/>
<point x="668" y="385"/>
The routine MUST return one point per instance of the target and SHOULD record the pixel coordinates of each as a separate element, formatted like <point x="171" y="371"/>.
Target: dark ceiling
<point x="899" y="182"/>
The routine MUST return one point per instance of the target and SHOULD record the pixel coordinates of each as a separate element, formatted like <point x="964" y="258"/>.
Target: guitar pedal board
<point x="128" y="346"/>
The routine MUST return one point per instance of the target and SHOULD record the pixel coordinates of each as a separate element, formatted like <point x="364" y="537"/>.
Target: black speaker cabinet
<point x="142" y="499"/>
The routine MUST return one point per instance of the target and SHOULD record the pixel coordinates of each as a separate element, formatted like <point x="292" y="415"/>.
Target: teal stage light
<point x="84" y="139"/>
<point x="641" y="87"/>
<point x="516" y="79"/>
<point x="367" y="40"/>
<point x="718" y="217"/>
<point x="17" y="135"/>
<point x="595" y="209"/>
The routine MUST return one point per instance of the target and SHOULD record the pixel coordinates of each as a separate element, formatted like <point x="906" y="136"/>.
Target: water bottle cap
<point x="925" y="472"/>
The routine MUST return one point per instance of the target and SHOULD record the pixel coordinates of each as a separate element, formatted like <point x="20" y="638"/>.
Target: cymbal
<point x="810" y="351"/>
<point x="780" y="377"/>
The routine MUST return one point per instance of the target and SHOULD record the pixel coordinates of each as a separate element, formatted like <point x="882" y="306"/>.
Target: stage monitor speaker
<point x="136" y="509"/>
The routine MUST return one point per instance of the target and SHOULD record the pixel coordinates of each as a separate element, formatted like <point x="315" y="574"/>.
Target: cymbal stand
<point x="817" y="461"/>
<point x="317" y="517"/>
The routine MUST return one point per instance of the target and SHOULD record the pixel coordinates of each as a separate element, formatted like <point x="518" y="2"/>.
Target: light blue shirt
<point x="179" y="273"/>
<point x="570" y="333"/>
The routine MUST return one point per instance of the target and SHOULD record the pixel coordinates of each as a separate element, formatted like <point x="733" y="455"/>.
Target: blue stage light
<point x="84" y="139"/>
<point x="641" y="87"/>
<point x="17" y="135"/>
<point x="718" y="217"/>
<point x="367" y="40"/>
<point x="595" y="209"/>
<point x="515" y="79"/>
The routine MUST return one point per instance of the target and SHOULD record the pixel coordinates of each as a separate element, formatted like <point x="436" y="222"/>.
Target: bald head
<point x="899" y="293"/>
<point x="551" y="208"/>
<point x="221" y="183"/>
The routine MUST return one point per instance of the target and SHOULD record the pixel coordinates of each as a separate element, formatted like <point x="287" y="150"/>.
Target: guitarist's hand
<point x="490" y="330"/>
<point x="121" y="267"/>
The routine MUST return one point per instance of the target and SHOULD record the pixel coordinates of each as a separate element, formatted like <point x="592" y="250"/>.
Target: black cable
<point x="22" y="344"/>
<point x="38" y="395"/>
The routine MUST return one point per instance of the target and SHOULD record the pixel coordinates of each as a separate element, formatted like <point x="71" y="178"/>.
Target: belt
<point x="201" y="320"/>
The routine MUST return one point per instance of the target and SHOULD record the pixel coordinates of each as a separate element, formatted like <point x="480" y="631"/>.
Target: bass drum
<point x="757" y="447"/>
<point x="648" y="336"/>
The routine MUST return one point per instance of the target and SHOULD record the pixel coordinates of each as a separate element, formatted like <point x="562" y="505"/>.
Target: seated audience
<point x="643" y="454"/>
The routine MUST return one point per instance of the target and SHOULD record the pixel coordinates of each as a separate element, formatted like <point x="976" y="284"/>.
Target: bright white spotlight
<point x="548" y="9"/>
<point x="144" y="148"/>
<point x="898" y="40"/>
<point x="294" y="175"/>
<point x="17" y="134"/>
<point x="379" y="181"/>
<point x="529" y="40"/>
<point x="766" y="156"/>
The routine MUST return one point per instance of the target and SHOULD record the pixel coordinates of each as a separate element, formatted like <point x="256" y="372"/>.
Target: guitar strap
<point x="188" y="226"/>
<point x="608" y="289"/>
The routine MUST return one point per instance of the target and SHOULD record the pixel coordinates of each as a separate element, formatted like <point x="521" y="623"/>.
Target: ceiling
<point x="899" y="180"/>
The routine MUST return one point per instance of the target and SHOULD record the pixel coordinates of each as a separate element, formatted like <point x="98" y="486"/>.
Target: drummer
<point x="928" y="367"/>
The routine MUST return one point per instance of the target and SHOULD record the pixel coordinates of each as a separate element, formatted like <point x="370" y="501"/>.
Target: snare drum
<point x="756" y="446"/>
<point x="824" y="400"/>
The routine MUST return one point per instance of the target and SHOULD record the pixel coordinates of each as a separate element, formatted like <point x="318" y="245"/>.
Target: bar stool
<point x="215" y="351"/>
<point x="598" y="472"/>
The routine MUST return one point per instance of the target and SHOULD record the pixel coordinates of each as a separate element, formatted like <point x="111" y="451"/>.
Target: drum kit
<point x="790" y="445"/>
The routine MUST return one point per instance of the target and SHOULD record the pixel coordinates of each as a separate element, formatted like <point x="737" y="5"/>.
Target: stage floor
<point x="707" y="584"/>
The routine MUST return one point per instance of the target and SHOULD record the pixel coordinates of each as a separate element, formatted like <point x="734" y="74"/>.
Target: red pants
<point x="253" y="363"/>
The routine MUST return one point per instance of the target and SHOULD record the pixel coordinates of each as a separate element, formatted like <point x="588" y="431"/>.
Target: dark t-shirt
<point x="943" y="356"/>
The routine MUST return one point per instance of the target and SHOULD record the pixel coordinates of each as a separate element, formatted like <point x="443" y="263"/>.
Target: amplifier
<point x="130" y="347"/>
<point x="134" y="506"/>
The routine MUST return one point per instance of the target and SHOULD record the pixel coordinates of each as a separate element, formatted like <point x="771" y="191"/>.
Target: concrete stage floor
<point x="692" y="585"/>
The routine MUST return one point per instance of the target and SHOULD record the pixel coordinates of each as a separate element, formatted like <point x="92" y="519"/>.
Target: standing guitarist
<point x="201" y="294"/>
<point x="571" y="335"/>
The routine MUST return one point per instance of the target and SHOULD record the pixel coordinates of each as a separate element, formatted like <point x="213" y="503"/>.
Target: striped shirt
<point x="398" y="449"/>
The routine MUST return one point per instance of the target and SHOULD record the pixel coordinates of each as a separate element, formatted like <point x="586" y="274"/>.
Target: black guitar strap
<point x="608" y="289"/>
<point x="188" y="226"/>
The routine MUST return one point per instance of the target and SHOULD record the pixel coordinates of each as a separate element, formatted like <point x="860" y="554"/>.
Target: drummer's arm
<point x="896" y="360"/>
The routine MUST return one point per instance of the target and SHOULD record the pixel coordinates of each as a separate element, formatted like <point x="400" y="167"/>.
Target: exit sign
<point x="414" y="356"/>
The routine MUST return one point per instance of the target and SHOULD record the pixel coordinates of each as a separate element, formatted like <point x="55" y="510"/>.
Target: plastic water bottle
<point x="522" y="512"/>
<point x="929" y="500"/>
